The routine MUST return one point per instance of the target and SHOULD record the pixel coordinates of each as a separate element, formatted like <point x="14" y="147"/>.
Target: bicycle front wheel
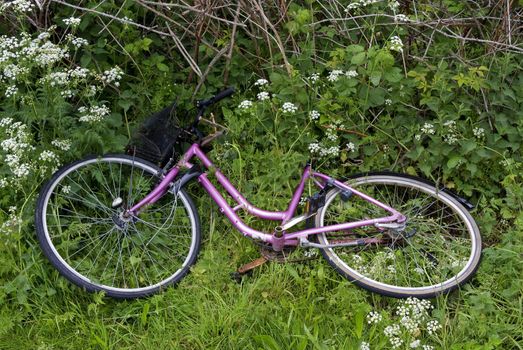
<point x="438" y="250"/>
<point x="83" y="232"/>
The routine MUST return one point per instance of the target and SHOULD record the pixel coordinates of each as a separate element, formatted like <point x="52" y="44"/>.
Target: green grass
<point x="281" y="306"/>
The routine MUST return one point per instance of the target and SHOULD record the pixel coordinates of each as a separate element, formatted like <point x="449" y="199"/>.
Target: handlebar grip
<point x="223" y="94"/>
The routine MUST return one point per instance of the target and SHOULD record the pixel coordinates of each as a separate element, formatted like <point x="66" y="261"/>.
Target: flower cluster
<point x="335" y="74"/>
<point x="64" y="145"/>
<point x="11" y="91"/>
<point x="93" y="114"/>
<point x="323" y="151"/>
<point x="478" y="132"/>
<point x="245" y="104"/>
<point x="12" y="223"/>
<point x="351" y="74"/>
<point x="361" y="3"/>
<point x="261" y="82"/>
<point x="314" y="77"/>
<point x="113" y="75"/>
<point x="72" y="21"/>
<point x="16" y="144"/>
<point x="374" y="317"/>
<point x="314" y="115"/>
<point x="289" y="107"/>
<point x="262" y="96"/>
<point x="401" y="18"/>
<point x="364" y="346"/>
<point x="395" y="44"/>
<point x="394" y="5"/>
<point x="78" y="42"/>
<point x="21" y="6"/>
<point x="428" y="129"/>
<point x="413" y="316"/>
<point x="451" y="135"/>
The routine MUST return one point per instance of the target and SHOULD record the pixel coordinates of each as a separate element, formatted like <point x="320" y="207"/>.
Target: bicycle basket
<point x="156" y="139"/>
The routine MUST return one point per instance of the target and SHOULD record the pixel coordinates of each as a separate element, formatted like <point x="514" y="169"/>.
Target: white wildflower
<point x="415" y="344"/>
<point x="49" y="53"/>
<point x="64" y="145"/>
<point x="351" y="74"/>
<point x="67" y="93"/>
<point x="388" y="102"/>
<point x="245" y="104"/>
<point x="94" y="114"/>
<point x="374" y="317"/>
<point x="394" y="5"/>
<point x="57" y="78"/>
<point x="289" y="107"/>
<point x="351" y="147"/>
<point x="78" y="72"/>
<point x="479" y="132"/>
<point x="331" y="135"/>
<point x="48" y="156"/>
<point x="91" y="90"/>
<point x="419" y="270"/>
<point x="364" y="346"/>
<point x="433" y="326"/>
<point x="395" y="44"/>
<point x="314" y="77"/>
<point x="450" y="138"/>
<point x="314" y="115"/>
<point x="401" y="18"/>
<point x="11" y="91"/>
<point x="361" y="3"/>
<point x="21" y="6"/>
<point x="112" y="75"/>
<point x="427" y="347"/>
<point x="331" y="151"/>
<point x="72" y="21"/>
<point x="334" y="75"/>
<point x="13" y="71"/>
<point x="314" y="147"/>
<point x="428" y="128"/>
<point x="261" y="82"/>
<point x="262" y="96"/>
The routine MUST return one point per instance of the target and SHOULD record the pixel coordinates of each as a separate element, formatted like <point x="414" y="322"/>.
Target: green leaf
<point x="351" y="49"/>
<point x="358" y="58"/>
<point x="162" y="67"/>
<point x="453" y="161"/>
<point x="375" y="78"/>
<point x="359" y="319"/>
<point x="468" y="146"/>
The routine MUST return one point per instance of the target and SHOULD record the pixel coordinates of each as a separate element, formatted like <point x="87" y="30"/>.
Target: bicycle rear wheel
<point x="83" y="232"/>
<point x="438" y="250"/>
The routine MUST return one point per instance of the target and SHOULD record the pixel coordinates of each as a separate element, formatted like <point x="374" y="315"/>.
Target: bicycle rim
<point x="86" y="236"/>
<point x="438" y="250"/>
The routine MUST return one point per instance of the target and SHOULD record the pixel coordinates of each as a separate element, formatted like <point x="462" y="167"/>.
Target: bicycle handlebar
<point x="202" y="105"/>
<point x="218" y="97"/>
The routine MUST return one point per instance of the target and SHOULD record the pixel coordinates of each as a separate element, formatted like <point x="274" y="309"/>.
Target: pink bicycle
<point x="125" y="226"/>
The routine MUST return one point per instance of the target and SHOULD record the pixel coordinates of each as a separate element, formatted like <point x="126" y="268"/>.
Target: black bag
<point x="157" y="138"/>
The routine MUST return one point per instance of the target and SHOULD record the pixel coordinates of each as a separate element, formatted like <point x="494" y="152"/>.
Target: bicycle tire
<point x="76" y="218"/>
<point x="424" y="260"/>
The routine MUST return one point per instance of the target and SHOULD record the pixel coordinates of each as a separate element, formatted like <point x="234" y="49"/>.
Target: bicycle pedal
<point x="247" y="269"/>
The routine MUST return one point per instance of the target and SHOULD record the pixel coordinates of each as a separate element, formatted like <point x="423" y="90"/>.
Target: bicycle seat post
<point x="278" y="239"/>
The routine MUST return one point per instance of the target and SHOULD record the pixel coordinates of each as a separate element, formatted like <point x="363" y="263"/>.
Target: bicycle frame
<point x="279" y="238"/>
